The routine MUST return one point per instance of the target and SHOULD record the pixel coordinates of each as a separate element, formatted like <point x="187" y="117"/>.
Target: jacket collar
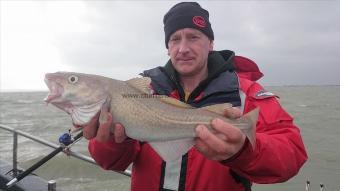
<point x="218" y="62"/>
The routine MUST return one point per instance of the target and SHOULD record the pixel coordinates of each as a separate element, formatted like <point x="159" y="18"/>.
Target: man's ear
<point x="211" y="45"/>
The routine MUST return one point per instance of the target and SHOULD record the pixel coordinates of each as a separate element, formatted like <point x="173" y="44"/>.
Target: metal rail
<point x="46" y="143"/>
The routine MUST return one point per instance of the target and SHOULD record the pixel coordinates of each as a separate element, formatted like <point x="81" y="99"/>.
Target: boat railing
<point x="16" y="133"/>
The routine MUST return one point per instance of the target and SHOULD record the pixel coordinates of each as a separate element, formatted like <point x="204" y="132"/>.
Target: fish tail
<point x="251" y="117"/>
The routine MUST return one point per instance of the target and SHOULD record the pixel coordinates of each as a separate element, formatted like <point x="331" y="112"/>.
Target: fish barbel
<point x="167" y="124"/>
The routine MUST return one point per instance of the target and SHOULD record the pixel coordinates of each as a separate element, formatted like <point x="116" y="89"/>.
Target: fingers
<point x="90" y="130"/>
<point x="119" y="133"/>
<point x="210" y="140"/>
<point x="232" y="112"/>
<point x="104" y="130"/>
<point x="231" y="133"/>
<point x="220" y="143"/>
<point x="202" y="147"/>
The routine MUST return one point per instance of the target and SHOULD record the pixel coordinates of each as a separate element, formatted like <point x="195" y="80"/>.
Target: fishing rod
<point x="307" y="185"/>
<point x="66" y="141"/>
<point x="322" y="186"/>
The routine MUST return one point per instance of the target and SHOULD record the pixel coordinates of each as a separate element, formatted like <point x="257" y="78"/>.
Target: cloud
<point x="290" y="38"/>
<point x="293" y="42"/>
<point x="124" y="39"/>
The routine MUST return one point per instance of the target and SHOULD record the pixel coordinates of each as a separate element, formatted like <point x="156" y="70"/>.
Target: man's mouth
<point x="185" y="59"/>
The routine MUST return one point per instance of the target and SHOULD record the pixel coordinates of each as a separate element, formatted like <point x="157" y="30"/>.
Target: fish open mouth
<point x="56" y="90"/>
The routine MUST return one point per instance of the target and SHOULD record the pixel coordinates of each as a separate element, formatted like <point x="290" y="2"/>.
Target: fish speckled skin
<point x="145" y="117"/>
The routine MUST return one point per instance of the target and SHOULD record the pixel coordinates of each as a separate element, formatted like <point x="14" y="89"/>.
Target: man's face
<point x="188" y="51"/>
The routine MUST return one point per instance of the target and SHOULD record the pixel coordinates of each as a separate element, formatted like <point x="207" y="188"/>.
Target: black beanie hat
<point x="187" y="15"/>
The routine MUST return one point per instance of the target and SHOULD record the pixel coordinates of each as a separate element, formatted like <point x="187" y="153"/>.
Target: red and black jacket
<point x="279" y="151"/>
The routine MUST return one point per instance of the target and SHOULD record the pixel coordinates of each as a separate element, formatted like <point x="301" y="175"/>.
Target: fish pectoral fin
<point x="142" y="84"/>
<point x="218" y="108"/>
<point x="172" y="150"/>
<point x="174" y="102"/>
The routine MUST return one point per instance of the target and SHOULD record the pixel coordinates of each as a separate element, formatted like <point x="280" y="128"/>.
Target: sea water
<point x="316" y="110"/>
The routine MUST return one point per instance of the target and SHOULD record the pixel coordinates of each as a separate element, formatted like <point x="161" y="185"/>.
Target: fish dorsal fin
<point x="172" y="150"/>
<point x="218" y="108"/>
<point x="142" y="84"/>
<point x="174" y="102"/>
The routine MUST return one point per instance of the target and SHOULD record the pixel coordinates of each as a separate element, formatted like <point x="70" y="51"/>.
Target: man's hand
<point x="104" y="128"/>
<point x="224" y="142"/>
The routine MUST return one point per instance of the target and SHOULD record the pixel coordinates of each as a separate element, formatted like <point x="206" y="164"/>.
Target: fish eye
<point x="73" y="79"/>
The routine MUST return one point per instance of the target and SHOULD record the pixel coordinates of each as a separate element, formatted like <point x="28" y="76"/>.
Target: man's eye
<point x="174" y="39"/>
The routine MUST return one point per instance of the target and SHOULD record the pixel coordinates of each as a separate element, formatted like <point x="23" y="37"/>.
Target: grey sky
<point x="293" y="42"/>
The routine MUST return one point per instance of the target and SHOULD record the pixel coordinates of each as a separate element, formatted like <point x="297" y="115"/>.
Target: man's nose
<point x="183" y="46"/>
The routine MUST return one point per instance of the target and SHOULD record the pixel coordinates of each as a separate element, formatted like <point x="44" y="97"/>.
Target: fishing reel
<point x="65" y="139"/>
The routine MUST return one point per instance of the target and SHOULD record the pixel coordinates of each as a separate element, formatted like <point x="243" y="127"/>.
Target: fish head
<point x="80" y="95"/>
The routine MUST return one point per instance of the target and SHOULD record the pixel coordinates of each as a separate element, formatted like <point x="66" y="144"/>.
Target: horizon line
<point x="46" y="90"/>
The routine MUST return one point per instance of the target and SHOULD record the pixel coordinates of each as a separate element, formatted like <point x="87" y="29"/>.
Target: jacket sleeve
<point x="114" y="156"/>
<point x="279" y="151"/>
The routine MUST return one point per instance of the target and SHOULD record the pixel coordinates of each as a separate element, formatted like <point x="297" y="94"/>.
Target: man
<point x="199" y="76"/>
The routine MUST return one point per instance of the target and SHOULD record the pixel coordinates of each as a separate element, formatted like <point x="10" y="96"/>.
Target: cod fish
<point x="167" y="124"/>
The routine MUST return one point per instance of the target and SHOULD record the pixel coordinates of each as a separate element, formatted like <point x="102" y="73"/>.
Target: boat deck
<point x="29" y="183"/>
